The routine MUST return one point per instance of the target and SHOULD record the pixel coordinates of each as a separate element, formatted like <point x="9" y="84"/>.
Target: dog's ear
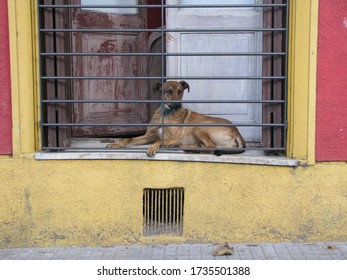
<point x="185" y="85"/>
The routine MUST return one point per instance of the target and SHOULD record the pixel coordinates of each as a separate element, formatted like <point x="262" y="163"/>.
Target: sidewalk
<point x="242" y="251"/>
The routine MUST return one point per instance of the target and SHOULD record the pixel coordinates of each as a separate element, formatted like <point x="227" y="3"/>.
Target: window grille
<point x="77" y="111"/>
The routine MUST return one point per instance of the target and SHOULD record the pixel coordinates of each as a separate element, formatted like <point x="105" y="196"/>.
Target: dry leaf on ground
<point x="223" y="250"/>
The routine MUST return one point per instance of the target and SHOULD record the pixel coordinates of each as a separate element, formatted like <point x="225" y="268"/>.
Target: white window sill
<point x="248" y="157"/>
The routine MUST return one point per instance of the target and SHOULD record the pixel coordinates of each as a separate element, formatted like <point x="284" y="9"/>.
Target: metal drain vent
<point x="163" y="211"/>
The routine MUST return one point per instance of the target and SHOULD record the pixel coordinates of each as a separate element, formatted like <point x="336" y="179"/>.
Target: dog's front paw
<point x="117" y="144"/>
<point x="152" y="151"/>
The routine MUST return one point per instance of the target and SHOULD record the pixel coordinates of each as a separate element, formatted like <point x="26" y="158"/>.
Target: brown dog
<point x="192" y="137"/>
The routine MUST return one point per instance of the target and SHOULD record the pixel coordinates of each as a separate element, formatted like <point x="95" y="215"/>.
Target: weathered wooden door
<point x="109" y="66"/>
<point x="219" y="66"/>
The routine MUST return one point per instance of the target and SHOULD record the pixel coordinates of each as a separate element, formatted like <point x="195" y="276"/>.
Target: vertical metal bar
<point x="145" y="212"/>
<point x="148" y="212"/>
<point x="152" y="211"/>
<point x="55" y="70"/>
<point x="174" y="211"/>
<point x="181" y="211"/>
<point x="177" y="211"/>
<point x="159" y="212"/>
<point x="156" y="211"/>
<point x="163" y="210"/>
<point x="167" y="209"/>
<point x="170" y="210"/>
<point x="163" y="71"/>
<point x="144" y="205"/>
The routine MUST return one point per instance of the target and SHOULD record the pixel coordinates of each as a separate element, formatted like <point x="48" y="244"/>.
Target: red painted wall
<point x="331" y="137"/>
<point x="5" y="84"/>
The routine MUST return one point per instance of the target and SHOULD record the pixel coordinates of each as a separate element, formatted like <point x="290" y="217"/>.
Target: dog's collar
<point x="169" y="111"/>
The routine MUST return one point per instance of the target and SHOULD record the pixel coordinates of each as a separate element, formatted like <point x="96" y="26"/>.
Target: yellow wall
<point x="90" y="202"/>
<point x="100" y="202"/>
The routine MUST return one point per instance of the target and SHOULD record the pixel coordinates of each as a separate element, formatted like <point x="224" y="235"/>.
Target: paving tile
<point x="282" y="253"/>
<point x="294" y="252"/>
<point x="158" y="252"/>
<point x="244" y="251"/>
<point x="269" y="251"/>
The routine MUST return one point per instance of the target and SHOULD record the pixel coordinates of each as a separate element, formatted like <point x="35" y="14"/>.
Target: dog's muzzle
<point x="175" y="106"/>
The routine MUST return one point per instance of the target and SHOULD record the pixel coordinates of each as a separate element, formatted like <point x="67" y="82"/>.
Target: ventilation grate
<point x="163" y="211"/>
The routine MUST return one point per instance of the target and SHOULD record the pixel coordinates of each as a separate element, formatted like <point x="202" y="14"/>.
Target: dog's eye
<point x="169" y="92"/>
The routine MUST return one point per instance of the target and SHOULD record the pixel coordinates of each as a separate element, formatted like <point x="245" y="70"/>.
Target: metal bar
<point x="166" y="209"/>
<point x="166" y="124"/>
<point x="163" y="67"/>
<point x="170" y="210"/>
<point x="166" y="78"/>
<point x="168" y="54"/>
<point x="156" y="201"/>
<point x="150" y="205"/>
<point x="160" y="212"/>
<point x="181" y="193"/>
<point x="160" y="101"/>
<point x="163" y="209"/>
<point x="136" y="30"/>
<point x="146" y="218"/>
<point x="143" y="149"/>
<point x="177" y="211"/>
<point x="151" y="209"/>
<point x="48" y="6"/>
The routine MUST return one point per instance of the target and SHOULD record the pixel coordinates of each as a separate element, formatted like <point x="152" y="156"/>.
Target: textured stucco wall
<point x="331" y="137"/>
<point x="48" y="203"/>
<point x="5" y="84"/>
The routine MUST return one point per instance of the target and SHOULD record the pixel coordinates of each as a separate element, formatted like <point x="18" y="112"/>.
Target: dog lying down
<point x="185" y="137"/>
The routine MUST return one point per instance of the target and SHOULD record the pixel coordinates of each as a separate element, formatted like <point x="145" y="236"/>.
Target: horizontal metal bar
<point x="164" y="6"/>
<point x="159" y="125"/>
<point x="165" y="78"/>
<point x="168" y="54"/>
<point x="136" y="30"/>
<point x="140" y="149"/>
<point x="161" y="101"/>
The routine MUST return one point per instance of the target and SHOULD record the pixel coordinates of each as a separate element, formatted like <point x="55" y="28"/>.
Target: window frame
<point x="285" y="88"/>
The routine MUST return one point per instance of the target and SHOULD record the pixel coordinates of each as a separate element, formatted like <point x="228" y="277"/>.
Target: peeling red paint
<point x="107" y="47"/>
<point x="5" y="84"/>
<point x="85" y="18"/>
<point x="331" y="137"/>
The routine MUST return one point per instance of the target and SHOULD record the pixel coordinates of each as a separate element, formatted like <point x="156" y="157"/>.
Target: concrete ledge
<point x="249" y="157"/>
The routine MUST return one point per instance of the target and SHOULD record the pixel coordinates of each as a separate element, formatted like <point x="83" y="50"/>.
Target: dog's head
<point x="173" y="91"/>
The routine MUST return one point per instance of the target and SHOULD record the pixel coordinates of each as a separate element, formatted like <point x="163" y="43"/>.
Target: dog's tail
<point x="240" y="145"/>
